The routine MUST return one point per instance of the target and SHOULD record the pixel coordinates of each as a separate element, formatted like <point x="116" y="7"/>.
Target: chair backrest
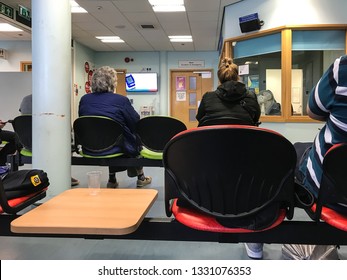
<point x="22" y="125"/>
<point x="230" y="171"/>
<point x="96" y="133"/>
<point x="156" y="131"/>
<point x="333" y="187"/>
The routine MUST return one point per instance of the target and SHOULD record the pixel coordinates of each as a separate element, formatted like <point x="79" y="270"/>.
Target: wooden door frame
<point x="121" y="91"/>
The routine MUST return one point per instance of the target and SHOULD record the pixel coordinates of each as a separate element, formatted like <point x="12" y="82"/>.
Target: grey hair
<point x="104" y="79"/>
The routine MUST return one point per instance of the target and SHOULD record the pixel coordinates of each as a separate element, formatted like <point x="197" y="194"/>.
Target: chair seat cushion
<point x="332" y="218"/>
<point x="26" y="152"/>
<point x="146" y="153"/>
<point x="104" y="156"/>
<point x="197" y="220"/>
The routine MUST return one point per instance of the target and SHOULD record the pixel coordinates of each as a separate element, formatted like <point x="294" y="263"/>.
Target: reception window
<point x="282" y="66"/>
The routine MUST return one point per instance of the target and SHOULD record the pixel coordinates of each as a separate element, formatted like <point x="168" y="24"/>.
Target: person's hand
<point x="2" y="124"/>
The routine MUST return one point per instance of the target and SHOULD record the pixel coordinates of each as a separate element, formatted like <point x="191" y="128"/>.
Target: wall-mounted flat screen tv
<point x="141" y="82"/>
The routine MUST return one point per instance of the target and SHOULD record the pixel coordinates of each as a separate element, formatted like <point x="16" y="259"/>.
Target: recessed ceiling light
<point x="5" y="27"/>
<point x="184" y="38"/>
<point x="110" y="39"/>
<point x="167" y="5"/>
<point x="76" y="8"/>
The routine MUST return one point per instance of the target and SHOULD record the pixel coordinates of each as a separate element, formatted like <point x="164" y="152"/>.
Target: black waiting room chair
<point x="229" y="178"/>
<point x="155" y="132"/>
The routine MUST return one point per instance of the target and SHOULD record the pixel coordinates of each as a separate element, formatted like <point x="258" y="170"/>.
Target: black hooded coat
<point x="231" y="100"/>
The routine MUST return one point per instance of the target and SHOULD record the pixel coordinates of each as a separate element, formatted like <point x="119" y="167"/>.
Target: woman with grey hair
<point x="103" y="101"/>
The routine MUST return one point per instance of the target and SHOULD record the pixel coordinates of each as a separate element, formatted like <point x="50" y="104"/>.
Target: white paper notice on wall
<point x="181" y="95"/>
<point x="244" y="69"/>
<point x="206" y="75"/>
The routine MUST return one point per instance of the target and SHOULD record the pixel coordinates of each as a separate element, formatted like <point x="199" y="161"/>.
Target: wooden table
<point x="76" y="211"/>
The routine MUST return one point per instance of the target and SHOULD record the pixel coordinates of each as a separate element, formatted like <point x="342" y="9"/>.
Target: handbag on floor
<point x="310" y="252"/>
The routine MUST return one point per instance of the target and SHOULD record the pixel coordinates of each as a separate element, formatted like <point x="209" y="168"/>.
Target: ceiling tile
<point x="123" y="18"/>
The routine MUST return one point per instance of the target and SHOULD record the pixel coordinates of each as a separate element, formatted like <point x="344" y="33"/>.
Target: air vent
<point x="147" y="26"/>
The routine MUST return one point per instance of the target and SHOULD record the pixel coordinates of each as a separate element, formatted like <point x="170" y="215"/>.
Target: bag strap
<point x="303" y="198"/>
<point x="243" y="105"/>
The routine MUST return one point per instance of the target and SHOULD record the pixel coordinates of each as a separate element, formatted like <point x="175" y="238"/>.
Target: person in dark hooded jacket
<point x="231" y="101"/>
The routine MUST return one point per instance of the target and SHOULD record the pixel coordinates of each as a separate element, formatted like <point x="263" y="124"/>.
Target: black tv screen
<point x="141" y="82"/>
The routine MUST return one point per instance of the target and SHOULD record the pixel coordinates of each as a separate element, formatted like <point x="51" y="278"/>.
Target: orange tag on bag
<point x="35" y="180"/>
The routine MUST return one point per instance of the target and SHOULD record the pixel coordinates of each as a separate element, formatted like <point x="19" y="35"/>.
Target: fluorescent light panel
<point x="110" y="39"/>
<point x="5" y="27"/>
<point x="184" y="38"/>
<point x="166" y="2"/>
<point x="159" y="9"/>
<point x="167" y="5"/>
<point x="76" y="8"/>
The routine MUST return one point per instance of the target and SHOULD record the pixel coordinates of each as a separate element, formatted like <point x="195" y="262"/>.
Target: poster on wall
<point x="253" y="83"/>
<point x="90" y="76"/>
<point x="244" y="69"/>
<point x="180" y="83"/>
<point x="87" y="87"/>
<point x="86" y="67"/>
<point x="181" y="96"/>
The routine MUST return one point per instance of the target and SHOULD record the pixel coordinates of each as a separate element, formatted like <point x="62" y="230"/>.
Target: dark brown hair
<point x="227" y="70"/>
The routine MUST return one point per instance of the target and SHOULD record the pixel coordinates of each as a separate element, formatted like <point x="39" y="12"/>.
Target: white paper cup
<point x="94" y="182"/>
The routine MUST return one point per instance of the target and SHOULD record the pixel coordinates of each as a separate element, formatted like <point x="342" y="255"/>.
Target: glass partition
<point x="313" y="51"/>
<point x="259" y="61"/>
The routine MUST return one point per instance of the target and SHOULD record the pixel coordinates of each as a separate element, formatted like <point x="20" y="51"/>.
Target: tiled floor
<point x="34" y="248"/>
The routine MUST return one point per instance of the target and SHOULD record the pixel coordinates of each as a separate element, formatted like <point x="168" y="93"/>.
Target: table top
<point x="76" y="211"/>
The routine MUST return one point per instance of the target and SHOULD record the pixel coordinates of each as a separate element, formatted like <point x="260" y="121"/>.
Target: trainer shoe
<point x="141" y="183"/>
<point x="112" y="185"/>
<point x="254" y="250"/>
<point x="74" y="182"/>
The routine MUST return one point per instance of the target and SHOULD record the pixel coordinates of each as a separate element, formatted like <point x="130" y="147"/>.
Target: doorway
<point x="186" y="90"/>
<point x="121" y="82"/>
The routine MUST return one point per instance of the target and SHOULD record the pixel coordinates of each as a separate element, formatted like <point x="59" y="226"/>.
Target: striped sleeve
<point x="322" y="96"/>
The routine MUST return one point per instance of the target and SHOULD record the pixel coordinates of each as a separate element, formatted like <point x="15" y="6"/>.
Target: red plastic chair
<point x="333" y="188"/>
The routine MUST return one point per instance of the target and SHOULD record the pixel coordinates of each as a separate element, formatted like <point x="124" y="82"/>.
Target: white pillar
<point x="51" y="88"/>
<point x="164" y="84"/>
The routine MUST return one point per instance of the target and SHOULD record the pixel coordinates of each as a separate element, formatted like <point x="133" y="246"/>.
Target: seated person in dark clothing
<point x="271" y="106"/>
<point x="12" y="144"/>
<point x="103" y="101"/>
<point x="26" y="109"/>
<point x="231" y="101"/>
<point x="26" y="105"/>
